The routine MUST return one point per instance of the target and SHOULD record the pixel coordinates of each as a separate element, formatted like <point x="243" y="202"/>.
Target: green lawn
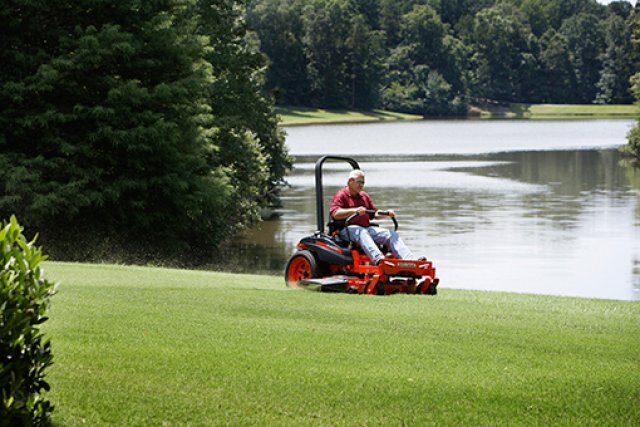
<point x="291" y="116"/>
<point x="153" y="346"/>
<point x="559" y="111"/>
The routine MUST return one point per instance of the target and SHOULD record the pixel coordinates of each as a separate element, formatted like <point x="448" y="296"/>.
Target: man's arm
<point x="344" y="213"/>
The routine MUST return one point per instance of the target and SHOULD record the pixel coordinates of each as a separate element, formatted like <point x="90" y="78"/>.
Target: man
<point x="351" y="200"/>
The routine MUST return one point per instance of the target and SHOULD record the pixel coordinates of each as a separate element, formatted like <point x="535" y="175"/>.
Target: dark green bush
<point x="24" y="352"/>
<point x="631" y="151"/>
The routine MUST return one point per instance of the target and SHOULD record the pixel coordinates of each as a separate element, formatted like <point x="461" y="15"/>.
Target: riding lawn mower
<point x="330" y="263"/>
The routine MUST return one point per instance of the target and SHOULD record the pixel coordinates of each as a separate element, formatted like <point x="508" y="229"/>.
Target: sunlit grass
<point x="560" y="111"/>
<point x="152" y="346"/>
<point x="291" y="116"/>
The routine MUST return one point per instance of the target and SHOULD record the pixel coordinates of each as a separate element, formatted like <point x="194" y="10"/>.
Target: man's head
<point x="356" y="181"/>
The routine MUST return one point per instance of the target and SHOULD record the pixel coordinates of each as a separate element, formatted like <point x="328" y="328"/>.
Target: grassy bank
<point x="556" y="111"/>
<point x="151" y="346"/>
<point x="292" y="116"/>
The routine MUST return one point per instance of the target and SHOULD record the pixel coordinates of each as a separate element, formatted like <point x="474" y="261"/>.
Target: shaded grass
<point x="291" y="116"/>
<point x="151" y="346"/>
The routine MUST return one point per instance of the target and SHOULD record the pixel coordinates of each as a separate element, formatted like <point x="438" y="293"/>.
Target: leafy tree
<point x="106" y="124"/>
<point x="557" y="73"/>
<point x="632" y="149"/>
<point x="502" y="52"/>
<point x="280" y="29"/>
<point x="510" y="50"/>
<point x="366" y="50"/>
<point x="251" y="147"/>
<point x="585" y="41"/>
<point x="416" y="83"/>
<point x="617" y="63"/>
<point x="369" y="9"/>
<point x="620" y="8"/>
<point x="452" y="11"/>
<point x="326" y="29"/>
<point x="634" y="27"/>
<point x="539" y="14"/>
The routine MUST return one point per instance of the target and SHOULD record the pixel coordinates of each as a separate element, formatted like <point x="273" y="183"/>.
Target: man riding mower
<point x="351" y="257"/>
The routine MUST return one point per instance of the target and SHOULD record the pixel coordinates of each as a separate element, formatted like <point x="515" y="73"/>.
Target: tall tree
<point x="585" y="41"/>
<point x="280" y="29"/>
<point x="502" y="46"/>
<point x="326" y="29"/>
<point x="557" y="76"/>
<point x="366" y="49"/>
<point x="617" y="63"/>
<point x="251" y="147"/>
<point x="427" y="53"/>
<point x="106" y="125"/>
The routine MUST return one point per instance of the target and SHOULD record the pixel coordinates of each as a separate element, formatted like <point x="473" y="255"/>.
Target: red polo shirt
<point x="344" y="200"/>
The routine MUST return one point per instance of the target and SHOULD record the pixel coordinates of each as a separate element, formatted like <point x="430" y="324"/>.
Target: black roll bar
<point x="319" y="193"/>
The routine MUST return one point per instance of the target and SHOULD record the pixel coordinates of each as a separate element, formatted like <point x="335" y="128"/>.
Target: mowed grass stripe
<point x="151" y="346"/>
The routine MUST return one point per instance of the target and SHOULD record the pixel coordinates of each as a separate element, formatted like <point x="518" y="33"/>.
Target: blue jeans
<point x="370" y="237"/>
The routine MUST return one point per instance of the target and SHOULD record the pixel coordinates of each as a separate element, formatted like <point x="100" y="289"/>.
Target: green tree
<point x="585" y="42"/>
<point x="557" y="75"/>
<point x="417" y="83"/>
<point x="632" y="149"/>
<point x="251" y="147"/>
<point x="617" y="63"/>
<point x="326" y="29"/>
<point x="280" y="29"/>
<point x="502" y="44"/>
<point x="366" y="50"/>
<point x="107" y="126"/>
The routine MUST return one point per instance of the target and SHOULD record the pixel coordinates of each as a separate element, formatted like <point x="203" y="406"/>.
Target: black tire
<point x="432" y="289"/>
<point x="379" y="288"/>
<point x="301" y="266"/>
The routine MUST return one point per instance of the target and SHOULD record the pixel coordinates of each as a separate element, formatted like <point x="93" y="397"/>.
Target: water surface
<point x="519" y="206"/>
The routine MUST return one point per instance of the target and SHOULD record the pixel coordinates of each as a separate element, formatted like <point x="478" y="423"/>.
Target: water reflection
<point x="562" y="222"/>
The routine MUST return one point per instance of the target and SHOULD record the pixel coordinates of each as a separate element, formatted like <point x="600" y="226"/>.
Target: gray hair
<point x="356" y="173"/>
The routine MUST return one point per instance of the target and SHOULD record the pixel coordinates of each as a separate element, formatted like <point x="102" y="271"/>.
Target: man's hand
<point x="389" y="213"/>
<point x="361" y="210"/>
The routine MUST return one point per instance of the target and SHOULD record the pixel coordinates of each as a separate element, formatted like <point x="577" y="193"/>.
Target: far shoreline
<point x="304" y="116"/>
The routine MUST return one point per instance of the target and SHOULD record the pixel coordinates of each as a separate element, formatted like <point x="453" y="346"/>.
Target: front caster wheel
<point x="301" y="266"/>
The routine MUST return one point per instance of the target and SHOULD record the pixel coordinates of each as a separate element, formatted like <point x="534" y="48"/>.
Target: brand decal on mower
<point x="406" y="264"/>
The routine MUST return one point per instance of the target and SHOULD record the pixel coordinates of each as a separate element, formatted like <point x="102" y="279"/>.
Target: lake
<point x="503" y="205"/>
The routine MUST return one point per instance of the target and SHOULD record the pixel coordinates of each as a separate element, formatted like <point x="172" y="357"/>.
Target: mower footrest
<point x="327" y="284"/>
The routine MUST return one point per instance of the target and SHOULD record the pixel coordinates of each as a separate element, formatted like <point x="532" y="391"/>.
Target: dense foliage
<point x="631" y="150"/>
<point x="433" y="57"/>
<point x="24" y="353"/>
<point x="140" y="124"/>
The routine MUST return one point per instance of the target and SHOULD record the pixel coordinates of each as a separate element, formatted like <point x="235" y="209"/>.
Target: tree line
<point x="434" y="57"/>
<point x="135" y="127"/>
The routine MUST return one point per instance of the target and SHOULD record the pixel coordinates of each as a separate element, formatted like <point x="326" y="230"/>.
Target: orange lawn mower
<point x="329" y="263"/>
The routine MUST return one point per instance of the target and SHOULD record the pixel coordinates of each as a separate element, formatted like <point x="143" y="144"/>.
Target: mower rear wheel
<point x="301" y="266"/>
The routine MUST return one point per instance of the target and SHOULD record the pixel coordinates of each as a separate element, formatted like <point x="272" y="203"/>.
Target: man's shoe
<point x="379" y="261"/>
